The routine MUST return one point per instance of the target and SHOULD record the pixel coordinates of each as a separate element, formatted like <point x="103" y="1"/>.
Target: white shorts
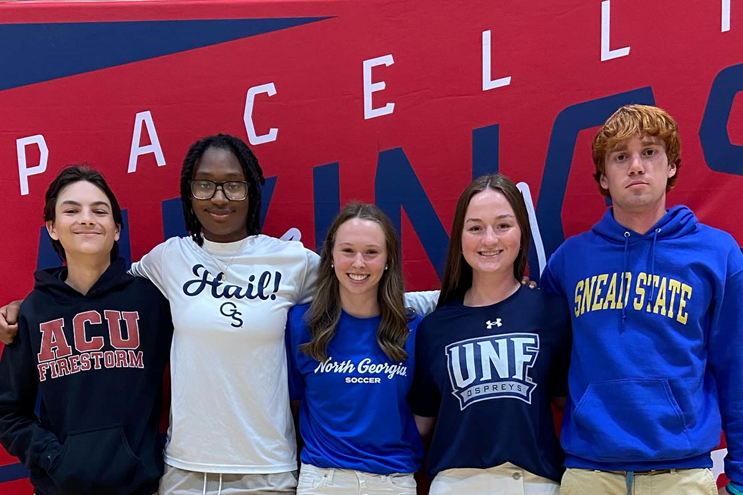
<point x="321" y="481"/>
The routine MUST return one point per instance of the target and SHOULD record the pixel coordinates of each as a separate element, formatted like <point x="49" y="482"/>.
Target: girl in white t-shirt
<point x="229" y="288"/>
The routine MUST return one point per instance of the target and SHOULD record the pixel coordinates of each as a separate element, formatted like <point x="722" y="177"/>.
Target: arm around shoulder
<point x="423" y="302"/>
<point x="9" y="321"/>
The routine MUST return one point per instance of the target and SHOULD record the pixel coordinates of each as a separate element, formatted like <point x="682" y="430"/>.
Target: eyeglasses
<point x="234" y="190"/>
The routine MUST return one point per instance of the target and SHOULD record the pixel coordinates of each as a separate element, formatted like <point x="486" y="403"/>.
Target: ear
<point x="117" y="232"/>
<point x="671" y="170"/>
<point x="604" y="182"/>
<point x="51" y="230"/>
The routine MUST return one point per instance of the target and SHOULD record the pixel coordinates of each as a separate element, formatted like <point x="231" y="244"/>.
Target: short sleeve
<point x="423" y="302"/>
<point x="558" y="378"/>
<point x="294" y="326"/>
<point x="151" y="267"/>
<point x="309" y="282"/>
<point x="424" y="397"/>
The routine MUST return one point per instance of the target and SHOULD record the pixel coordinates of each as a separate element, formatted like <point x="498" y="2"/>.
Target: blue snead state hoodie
<point x="97" y="363"/>
<point x="656" y="366"/>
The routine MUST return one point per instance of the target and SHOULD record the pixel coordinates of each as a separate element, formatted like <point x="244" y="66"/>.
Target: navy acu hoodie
<point x="97" y="363"/>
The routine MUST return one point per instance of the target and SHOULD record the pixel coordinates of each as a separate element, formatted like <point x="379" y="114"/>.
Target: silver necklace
<point x="223" y="272"/>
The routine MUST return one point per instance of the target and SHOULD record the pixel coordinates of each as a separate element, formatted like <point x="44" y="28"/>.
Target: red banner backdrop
<point x="398" y="103"/>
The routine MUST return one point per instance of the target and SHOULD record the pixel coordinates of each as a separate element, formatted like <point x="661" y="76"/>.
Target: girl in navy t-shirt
<point x="491" y="357"/>
<point x="351" y="364"/>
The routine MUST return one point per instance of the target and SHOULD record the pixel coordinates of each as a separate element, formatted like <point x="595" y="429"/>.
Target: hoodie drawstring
<point x="653" y="295"/>
<point x="630" y="478"/>
<point x="219" y="490"/>
<point x="624" y="270"/>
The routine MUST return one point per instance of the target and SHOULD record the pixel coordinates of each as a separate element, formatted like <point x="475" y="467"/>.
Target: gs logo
<point x="229" y="309"/>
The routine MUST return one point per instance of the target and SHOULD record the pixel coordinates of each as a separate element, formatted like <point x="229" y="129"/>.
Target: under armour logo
<point x="490" y="324"/>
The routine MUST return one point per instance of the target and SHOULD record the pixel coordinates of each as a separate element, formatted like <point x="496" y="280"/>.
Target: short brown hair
<point x="68" y="176"/>
<point x="636" y="120"/>
<point x="458" y="273"/>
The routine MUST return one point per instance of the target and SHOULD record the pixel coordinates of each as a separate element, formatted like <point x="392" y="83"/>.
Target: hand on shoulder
<point x="9" y="322"/>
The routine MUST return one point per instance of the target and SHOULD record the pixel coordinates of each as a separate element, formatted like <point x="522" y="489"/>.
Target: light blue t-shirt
<point x="354" y="413"/>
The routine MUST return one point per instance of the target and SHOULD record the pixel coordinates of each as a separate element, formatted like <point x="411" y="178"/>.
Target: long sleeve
<point x="20" y="431"/>
<point x="726" y="361"/>
<point x="549" y="281"/>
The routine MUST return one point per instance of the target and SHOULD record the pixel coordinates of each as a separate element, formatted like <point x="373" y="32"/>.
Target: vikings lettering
<point x="57" y="358"/>
<point x="253" y="290"/>
<point x="655" y="294"/>
<point x="492" y="367"/>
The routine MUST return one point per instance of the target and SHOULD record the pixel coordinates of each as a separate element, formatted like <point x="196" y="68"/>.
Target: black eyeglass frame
<point x="218" y="185"/>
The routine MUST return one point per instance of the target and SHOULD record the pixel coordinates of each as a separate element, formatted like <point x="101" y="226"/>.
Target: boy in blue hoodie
<point x="657" y="307"/>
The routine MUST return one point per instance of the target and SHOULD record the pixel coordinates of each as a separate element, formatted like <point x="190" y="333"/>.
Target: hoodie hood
<point x="52" y="281"/>
<point x="677" y="222"/>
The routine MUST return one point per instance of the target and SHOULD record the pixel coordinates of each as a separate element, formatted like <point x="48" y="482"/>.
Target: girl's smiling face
<point x="223" y="220"/>
<point x="359" y="259"/>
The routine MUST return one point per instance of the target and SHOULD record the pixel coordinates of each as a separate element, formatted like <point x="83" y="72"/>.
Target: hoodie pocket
<point x="94" y="462"/>
<point x="628" y="420"/>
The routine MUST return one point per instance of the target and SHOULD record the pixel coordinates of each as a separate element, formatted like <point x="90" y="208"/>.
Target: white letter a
<point x="154" y="147"/>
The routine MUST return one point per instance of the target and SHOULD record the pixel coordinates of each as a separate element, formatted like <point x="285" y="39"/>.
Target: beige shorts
<point x="181" y="482"/>
<point x="506" y="479"/>
<point x="661" y="482"/>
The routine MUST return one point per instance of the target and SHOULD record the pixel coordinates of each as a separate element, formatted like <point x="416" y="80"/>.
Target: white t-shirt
<point x="230" y="400"/>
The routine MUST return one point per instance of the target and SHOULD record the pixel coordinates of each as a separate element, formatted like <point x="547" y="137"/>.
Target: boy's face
<point x="636" y="174"/>
<point x="84" y="222"/>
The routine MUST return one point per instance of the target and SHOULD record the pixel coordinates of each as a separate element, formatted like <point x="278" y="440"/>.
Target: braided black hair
<point x="251" y="169"/>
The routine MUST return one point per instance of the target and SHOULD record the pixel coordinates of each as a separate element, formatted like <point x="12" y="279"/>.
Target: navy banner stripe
<point x="13" y="472"/>
<point x="52" y="50"/>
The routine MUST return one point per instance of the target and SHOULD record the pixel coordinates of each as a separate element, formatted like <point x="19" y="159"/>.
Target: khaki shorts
<point x="506" y="479"/>
<point x="661" y="482"/>
<point x="180" y="482"/>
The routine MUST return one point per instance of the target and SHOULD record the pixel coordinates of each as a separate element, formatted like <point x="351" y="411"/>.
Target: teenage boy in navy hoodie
<point x="93" y="341"/>
<point x="657" y="308"/>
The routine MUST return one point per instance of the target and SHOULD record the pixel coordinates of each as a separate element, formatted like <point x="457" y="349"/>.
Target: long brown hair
<point x="458" y="273"/>
<point x="325" y="312"/>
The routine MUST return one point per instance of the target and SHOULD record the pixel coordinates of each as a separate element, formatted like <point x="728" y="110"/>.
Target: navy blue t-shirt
<point x="488" y="374"/>
<point x="354" y="413"/>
